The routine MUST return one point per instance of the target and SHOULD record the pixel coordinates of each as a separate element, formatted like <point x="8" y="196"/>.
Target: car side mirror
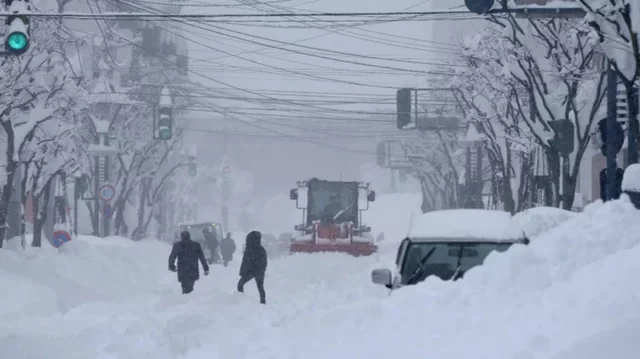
<point x="371" y="196"/>
<point x="293" y="194"/>
<point x="382" y="276"/>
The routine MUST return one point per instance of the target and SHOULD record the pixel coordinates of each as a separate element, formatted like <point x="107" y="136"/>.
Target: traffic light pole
<point x="612" y="165"/>
<point x="225" y="179"/>
<point x="632" y="141"/>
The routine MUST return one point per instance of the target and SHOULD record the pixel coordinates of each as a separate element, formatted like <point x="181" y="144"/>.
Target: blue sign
<point x="59" y="238"/>
<point x="107" y="210"/>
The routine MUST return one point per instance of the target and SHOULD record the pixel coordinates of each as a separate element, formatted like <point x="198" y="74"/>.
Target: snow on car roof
<point x="464" y="224"/>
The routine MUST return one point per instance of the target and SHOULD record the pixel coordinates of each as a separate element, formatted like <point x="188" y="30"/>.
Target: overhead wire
<point x="219" y="31"/>
<point x="197" y="73"/>
<point x="280" y="59"/>
<point x="369" y="38"/>
<point x="244" y="90"/>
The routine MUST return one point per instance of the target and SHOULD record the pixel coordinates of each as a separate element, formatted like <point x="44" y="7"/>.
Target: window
<point x="346" y="194"/>
<point x="446" y="258"/>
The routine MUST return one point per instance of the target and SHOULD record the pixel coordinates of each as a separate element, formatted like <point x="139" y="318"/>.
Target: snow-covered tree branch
<point x="547" y="71"/>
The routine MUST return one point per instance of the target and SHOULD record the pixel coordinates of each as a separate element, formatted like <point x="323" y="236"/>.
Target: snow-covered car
<point x="449" y="243"/>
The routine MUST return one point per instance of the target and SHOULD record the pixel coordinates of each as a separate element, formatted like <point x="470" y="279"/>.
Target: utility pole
<point x="612" y="138"/>
<point x="15" y="204"/>
<point x="633" y="129"/>
<point x="225" y="176"/>
<point x="194" y="184"/>
<point x="384" y="159"/>
<point x="101" y="152"/>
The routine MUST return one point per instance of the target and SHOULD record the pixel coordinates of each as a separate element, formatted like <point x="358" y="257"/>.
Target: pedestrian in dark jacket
<point x="227" y="248"/>
<point x="187" y="252"/>
<point x="212" y="242"/>
<point x="254" y="264"/>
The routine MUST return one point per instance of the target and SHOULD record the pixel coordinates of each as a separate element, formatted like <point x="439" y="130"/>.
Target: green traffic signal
<point x="17" y="42"/>
<point x="165" y="134"/>
<point x="193" y="171"/>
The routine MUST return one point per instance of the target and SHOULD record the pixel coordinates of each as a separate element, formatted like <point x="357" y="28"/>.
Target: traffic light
<point x="165" y="131"/>
<point x="193" y="167"/>
<point x="615" y="139"/>
<point x="403" y="107"/>
<point x="16" y="40"/>
<point x="479" y="7"/>
<point x="564" y="138"/>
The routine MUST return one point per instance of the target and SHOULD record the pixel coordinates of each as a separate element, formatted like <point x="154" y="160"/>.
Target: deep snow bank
<point x="572" y="283"/>
<point x="570" y="292"/>
<point x="160" y="323"/>
<point x="83" y="270"/>
<point x="537" y="220"/>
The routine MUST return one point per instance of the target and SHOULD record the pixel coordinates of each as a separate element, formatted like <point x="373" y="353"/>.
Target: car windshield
<point x="343" y="194"/>
<point x="447" y="259"/>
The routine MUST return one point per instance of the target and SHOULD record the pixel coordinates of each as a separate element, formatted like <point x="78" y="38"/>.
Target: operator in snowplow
<point x="331" y="210"/>
<point x="187" y="252"/>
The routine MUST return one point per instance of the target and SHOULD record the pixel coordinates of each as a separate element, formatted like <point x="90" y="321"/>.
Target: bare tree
<point x="437" y="161"/>
<point x="557" y="65"/>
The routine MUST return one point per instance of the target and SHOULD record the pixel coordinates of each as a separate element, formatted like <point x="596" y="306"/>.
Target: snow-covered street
<point x="571" y="288"/>
<point x="407" y="179"/>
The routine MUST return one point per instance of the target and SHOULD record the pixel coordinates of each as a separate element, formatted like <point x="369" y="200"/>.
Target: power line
<point x="149" y="16"/>
<point x="250" y="40"/>
<point x="144" y="15"/>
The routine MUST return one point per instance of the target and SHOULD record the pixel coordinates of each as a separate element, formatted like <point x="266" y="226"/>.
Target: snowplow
<point x="332" y="217"/>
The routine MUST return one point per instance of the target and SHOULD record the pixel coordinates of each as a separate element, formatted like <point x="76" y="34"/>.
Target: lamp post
<point x="473" y="184"/>
<point x="102" y="153"/>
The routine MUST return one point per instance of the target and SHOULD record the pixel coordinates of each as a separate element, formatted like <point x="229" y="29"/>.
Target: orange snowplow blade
<point x="355" y="249"/>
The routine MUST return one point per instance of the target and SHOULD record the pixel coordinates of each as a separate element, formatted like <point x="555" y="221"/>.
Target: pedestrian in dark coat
<point x="227" y="248"/>
<point x="212" y="242"/>
<point x="254" y="264"/>
<point x="187" y="252"/>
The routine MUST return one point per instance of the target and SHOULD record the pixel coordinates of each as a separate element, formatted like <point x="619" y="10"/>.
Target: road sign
<point x="107" y="210"/>
<point x="106" y="192"/>
<point x="59" y="238"/>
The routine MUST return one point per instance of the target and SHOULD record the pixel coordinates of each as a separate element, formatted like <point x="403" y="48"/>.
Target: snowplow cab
<point x="195" y="229"/>
<point x="331" y="222"/>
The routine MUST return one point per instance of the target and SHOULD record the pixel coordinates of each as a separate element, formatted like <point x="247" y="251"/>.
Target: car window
<point x="446" y="259"/>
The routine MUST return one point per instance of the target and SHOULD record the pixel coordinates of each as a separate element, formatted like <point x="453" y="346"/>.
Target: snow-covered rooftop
<point x="466" y="223"/>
